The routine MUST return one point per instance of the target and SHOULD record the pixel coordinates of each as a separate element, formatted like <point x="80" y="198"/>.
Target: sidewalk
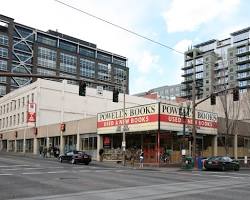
<point x="112" y="164"/>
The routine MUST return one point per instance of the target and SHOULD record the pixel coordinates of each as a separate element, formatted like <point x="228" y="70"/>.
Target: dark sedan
<point x="75" y="157"/>
<point x="221" y="163"/>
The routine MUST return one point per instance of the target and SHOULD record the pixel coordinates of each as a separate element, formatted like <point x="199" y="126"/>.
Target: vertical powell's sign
<point x="137" y="118"/>
<point x="206" y="122"/>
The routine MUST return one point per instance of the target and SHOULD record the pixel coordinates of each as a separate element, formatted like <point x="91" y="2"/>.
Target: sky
<point x="174" y="23"/>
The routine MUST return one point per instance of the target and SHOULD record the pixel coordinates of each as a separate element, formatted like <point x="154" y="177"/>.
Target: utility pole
<point x="124" y="127"/>
<point x="193" y="107"/>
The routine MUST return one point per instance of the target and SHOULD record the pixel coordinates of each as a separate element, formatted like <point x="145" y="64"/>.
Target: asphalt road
<point x="36" y="178"/>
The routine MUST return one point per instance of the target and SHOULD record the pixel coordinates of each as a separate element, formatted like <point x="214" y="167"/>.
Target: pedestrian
<point x="45" y="152"/>
<point x="40" y="150"/>
<point x="141" y="159"/>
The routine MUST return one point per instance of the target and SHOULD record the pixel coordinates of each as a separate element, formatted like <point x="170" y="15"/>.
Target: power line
<point x="120" y="27"/>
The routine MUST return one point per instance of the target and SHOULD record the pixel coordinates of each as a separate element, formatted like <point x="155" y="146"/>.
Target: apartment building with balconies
<point x="217" y="65"/>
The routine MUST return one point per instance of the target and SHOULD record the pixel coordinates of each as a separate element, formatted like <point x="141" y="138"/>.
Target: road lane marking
<point x="31" y="173"/>
<point x="56" y="172"/>
<point x="6" y="174"/>
<point x="3" y="166"/>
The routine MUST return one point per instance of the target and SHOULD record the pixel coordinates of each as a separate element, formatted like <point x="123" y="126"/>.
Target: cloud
<point x="189" y="15"/>
<point x="183" y="45"/>
<point x="147" y="62"/>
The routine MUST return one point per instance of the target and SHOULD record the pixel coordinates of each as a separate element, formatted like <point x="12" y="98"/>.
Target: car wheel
<point x="236" y="168"/>
<point x="60" y="160"/>
<point x="86" y="163"/>
<point x="73" y="161"/>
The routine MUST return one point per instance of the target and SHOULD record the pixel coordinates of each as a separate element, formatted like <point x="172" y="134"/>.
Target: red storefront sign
<point x="31" y="116"/>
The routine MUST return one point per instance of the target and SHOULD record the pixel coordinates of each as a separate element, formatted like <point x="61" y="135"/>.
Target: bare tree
<point x="231" y="109"/>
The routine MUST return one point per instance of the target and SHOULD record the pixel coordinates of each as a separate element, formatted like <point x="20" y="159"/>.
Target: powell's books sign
<point x="153" y="117"/>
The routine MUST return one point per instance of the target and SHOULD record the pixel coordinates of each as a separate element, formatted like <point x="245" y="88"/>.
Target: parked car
<point x="221" y="163"/>
<point x="75" y="157"/>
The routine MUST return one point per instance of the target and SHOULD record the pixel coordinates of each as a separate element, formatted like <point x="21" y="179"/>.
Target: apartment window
<point x="46" y="40"/>
<point x="104" y="57"/>
<point x="87" y="68"/>
<point x="199" y="68"/>
<point x="7" y="122"/>
<point x="10" y="120"/>
<point x="207" y="89"/>
<point x="22" y="117"/>
<point x="3" y="79"/>
<point x="199" y="75"/>
<point x="28" y="99"/>
<point x="22" y="46"/>
<point x="25" y="57"/>
<point x="87" y="52"/>
<point x="241" y="50"/>
<point x="119" y="75"/>
<point x="68" y="46"/>
<point x="104" y="72"/>
<point x="32" y="97"/>
<point x="68" y="63"/>
<point x="199" y="61"/>
<point x="231" y="69"/>
<point x="207" y="81"/>
<point x="119" y="61"/>
<point x="189" y="63"/>
<point x="3" y="65"/>
<point x="2" y="90"/>
<point x="19" y="101"/>
<point x="231" y="62"/>
<point x="18" y="118"/>
<point x="14" y="120"/>
<point x="46" y="58"/>
<point x="231" y="54"/>
<point x="4" y="40"/>
<point x="23" y="101"/>
<point x="23" y="32"/>
<point x="3" y="52"/>
<point x="3" y="123"/>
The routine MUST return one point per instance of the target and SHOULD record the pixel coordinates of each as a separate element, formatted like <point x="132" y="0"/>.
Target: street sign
<point x="123" y="144"/>
<point x="245" y="159"/>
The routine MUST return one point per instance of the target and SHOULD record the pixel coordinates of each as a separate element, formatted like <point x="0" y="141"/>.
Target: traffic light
<point x="213" y="99"/>
<point x="82" y="88"/>
<point x="115" y="95"/>
<point x="236" y="94"/>
<point x="63" y="127"/>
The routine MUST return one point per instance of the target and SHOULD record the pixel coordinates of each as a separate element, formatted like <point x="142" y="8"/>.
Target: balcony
<point x="244" y="52"/>
<point x="243" y="78"/>
<point x="187" y="81"/>
<point x="187" y="74"/>
<point x="243" y="68"/>
<point x="243" y="60"/>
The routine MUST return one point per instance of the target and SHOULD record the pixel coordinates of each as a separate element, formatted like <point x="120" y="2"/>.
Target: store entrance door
<point x="150" y="149"/>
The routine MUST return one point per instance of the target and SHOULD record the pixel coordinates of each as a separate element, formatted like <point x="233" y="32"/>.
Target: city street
<point x="36" y="178"/>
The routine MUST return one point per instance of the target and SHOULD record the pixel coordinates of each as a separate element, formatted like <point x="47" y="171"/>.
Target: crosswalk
<point x="12" y="170"/>
<point x="37" y="169"/>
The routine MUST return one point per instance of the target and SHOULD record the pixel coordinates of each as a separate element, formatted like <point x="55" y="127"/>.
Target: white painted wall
<point x="58" y="102"/>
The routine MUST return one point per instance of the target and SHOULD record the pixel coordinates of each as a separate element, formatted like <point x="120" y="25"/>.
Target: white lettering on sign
<point x="129" y="112"/>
